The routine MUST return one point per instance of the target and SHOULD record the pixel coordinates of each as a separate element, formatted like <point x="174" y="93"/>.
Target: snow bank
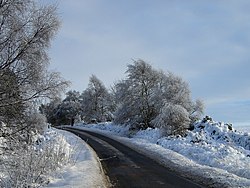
<point x="213" y="150"/>
<point x="108" y="126"/>
<point x="214" y="144"/>
<point x="151" y="135"/>
<point x="85" y="171"/>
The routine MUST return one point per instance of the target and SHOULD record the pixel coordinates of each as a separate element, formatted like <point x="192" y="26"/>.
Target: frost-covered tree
<point x="96" y="101"/>
<point x="69" y="108"/>
<point x="9" y="95"/>
<point x="26" y="31"/>
<point x="146" y="95"/>
<point x="50" y="110"/>
<point x="173" y="119"/>
<point x="197" y="110"/>
<point x="178" y="112"/>
<point x="126" y="110"/>
<point x="176" y="91"/>
<point x="134" y="95"/>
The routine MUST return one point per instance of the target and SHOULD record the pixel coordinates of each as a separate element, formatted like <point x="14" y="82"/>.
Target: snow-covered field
<point x="213" y="150"/>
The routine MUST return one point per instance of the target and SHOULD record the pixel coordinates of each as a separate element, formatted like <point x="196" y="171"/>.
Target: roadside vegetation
<point x="146" y="98"/>
<point x="26" y="31"/>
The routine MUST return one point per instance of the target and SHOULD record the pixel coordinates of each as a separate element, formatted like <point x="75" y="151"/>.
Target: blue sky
<point x="206" y="42"/>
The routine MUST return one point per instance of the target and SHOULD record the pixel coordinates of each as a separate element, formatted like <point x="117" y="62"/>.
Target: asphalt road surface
<point x="127" y="168"/>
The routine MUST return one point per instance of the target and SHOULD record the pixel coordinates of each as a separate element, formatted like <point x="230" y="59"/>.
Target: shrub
<point x="174" y="119"/>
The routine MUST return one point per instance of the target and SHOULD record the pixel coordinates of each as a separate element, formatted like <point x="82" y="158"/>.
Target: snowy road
<point x="128" y="168"/>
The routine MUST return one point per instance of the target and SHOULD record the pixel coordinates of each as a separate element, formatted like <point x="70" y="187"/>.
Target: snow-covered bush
<point x="36" y="122"/>
<point x="174" y="119"/>
<point x="27" y="157"/>
<point x="29" y="166"/>
<point x="222" y="132"/>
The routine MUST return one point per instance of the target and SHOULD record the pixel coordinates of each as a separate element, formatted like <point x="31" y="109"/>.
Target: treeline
<point x="145" y="98"/>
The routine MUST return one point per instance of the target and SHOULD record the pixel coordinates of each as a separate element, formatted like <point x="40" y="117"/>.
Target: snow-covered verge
<point x="56" y="159"/>
<point x="29" y="165"/>
<point x="213" y="152"/>
<point x="85" y="171"/>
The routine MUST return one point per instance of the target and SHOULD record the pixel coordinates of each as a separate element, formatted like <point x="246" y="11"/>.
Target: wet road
<point x="127" y="168"/>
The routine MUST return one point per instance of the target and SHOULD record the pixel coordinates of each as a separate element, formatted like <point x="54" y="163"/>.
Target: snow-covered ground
<point x="84" y="169"/>
<point x="59" y="158"/>
<point x="213" y="150"/>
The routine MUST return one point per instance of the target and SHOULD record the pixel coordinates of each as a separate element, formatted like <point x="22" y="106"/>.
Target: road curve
<point x="127" y="168"/>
